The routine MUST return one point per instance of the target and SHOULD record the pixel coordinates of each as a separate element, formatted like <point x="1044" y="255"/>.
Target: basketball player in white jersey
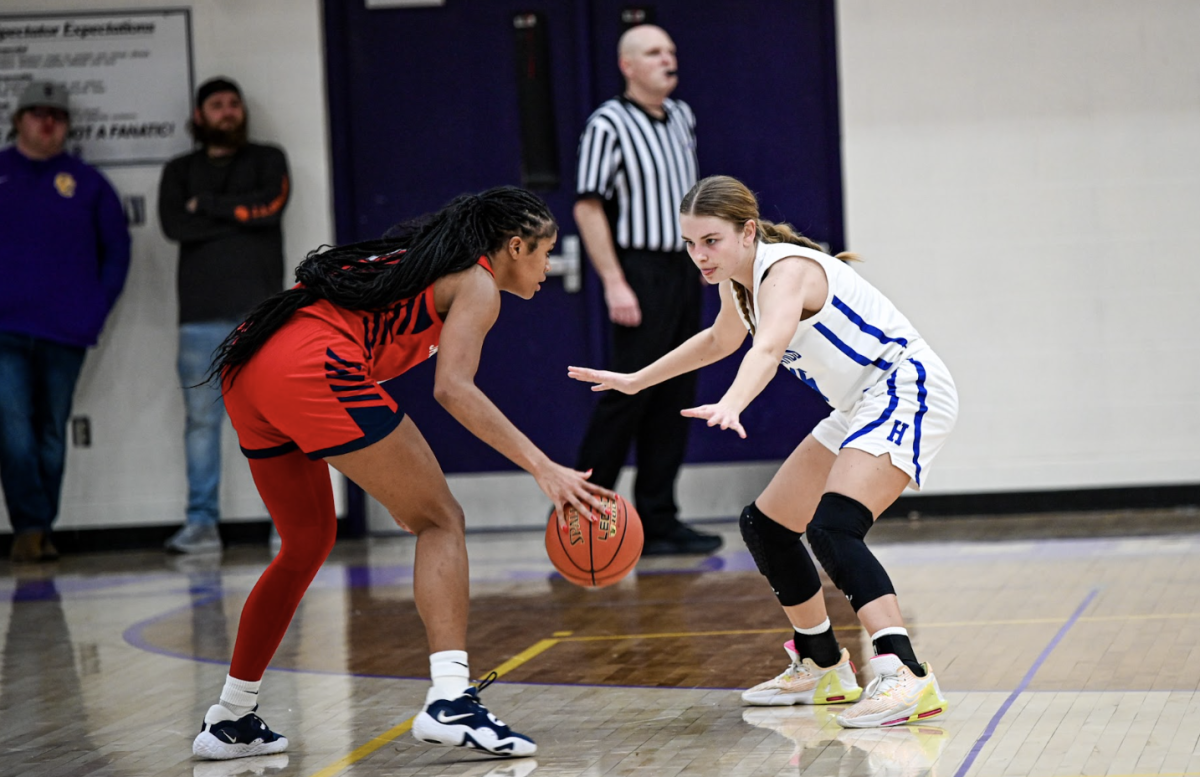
<point x="894" y="405"/>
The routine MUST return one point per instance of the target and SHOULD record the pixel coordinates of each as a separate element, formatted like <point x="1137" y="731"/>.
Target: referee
<point x="637" y="158"/>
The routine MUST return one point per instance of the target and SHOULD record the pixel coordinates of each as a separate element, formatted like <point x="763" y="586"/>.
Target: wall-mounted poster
<point x="129" y="75"/>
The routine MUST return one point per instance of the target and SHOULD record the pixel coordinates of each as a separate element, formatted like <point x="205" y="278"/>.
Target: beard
<point x="233" y="137"/>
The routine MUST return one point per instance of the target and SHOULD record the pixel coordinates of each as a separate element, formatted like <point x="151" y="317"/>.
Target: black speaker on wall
<point x="539" y="138"/>
<point x="633" y="15"/>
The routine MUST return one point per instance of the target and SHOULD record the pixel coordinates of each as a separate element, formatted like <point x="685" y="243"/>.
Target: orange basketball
<point x="597" y="553"/>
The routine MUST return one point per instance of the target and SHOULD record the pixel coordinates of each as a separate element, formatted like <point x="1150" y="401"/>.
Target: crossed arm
<point x="188" y="217"/>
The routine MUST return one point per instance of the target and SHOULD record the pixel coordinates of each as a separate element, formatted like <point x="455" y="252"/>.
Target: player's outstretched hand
<point x="605" y="380"/>
<point x="717" y="415"/>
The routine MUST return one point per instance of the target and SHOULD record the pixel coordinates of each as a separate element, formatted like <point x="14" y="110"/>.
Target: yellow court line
<point x="525" y="656"/>
<point x="397" y="731"/>
<point x="941" y="625"/>
<point x="742" y="632"/>
<point x="364" y="751"/>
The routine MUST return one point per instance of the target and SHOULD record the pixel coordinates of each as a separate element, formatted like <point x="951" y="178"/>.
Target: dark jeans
<point x="37" y="383"/>
<point x="668" y="288"/>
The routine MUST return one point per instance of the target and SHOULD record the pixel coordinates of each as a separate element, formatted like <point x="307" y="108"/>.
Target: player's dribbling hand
<point x="567" y="486"/>
<point x="716" y="415"/>
<point x="604" y="380"/>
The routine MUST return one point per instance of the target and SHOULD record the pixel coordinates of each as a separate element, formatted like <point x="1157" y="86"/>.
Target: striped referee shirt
<point x="647" y="164"/>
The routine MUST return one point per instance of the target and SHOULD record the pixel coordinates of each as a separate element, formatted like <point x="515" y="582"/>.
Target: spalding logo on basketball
<point x="606" y="526"/>
<point x="596" y="553"/>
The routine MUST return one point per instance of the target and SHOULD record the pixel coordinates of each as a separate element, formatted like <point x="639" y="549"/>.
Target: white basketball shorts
<point x="908" y="415"/>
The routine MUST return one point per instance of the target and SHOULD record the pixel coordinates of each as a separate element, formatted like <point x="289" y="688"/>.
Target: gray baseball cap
<point x="47" y="93"/>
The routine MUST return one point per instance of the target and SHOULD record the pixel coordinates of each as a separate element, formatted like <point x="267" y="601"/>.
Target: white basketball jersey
<point x="849" y="345"/>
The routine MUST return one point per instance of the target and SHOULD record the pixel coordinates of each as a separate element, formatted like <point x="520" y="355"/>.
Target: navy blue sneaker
<point x="222" y="737"/>
<point x="465" y="722"/>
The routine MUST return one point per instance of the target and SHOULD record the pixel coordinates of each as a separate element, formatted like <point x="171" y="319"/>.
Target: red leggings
<point x="299" y="495"/>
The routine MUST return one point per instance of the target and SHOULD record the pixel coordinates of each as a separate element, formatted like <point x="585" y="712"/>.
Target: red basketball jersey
<point x="394" y="339"/>
<point x="314" y="385"/>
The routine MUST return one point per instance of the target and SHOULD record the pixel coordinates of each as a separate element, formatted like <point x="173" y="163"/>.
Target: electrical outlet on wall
<point x="81" y="431"/>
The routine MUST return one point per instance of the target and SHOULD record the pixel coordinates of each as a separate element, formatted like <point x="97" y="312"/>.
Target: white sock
<point x="450" y="672"/>
<point x="890" y="631"/>
<point x="820" y="628"/>
<point x="240" y="696"/>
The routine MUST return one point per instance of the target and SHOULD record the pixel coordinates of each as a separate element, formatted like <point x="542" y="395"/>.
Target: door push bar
<point x="568" y="263"/>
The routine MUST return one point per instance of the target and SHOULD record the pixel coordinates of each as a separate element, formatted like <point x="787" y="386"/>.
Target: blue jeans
<point x="205" y="417"/>
<point x="37" y="383"/>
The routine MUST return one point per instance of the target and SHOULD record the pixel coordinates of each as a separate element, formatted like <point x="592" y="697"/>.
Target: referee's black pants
<point x="668" y="289"/>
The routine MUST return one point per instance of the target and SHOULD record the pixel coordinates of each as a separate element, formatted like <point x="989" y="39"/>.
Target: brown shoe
<point x="49" y="552"/>
<point x="27" y="547"/>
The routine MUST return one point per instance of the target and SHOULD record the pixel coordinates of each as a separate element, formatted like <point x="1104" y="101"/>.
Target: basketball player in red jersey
<point x="301" y="383"/>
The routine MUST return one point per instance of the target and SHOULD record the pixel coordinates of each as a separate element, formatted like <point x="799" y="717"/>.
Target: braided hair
<point x="353" y="277"/>
<point x="728" y="199"/>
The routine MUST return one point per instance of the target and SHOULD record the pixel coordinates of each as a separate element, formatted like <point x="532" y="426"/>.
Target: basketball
<point x="597" y="553"/>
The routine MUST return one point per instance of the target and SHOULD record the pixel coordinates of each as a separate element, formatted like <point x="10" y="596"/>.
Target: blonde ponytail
<point x="770" y="232"/>
<point x="743" y="301"/>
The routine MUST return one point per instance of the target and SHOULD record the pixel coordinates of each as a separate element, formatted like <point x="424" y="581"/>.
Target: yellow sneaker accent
<point x="895" y="696"/>
<point x="803" y="682"/>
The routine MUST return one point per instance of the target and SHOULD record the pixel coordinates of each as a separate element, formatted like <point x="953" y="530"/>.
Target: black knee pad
<point x="836" y="534"/>
<point x="780" y="556"/>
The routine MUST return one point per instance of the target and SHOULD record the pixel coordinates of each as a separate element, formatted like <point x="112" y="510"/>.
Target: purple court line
<point x="995" y="721"/>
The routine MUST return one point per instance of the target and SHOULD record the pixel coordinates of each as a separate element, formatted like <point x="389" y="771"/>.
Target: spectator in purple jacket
<point x="64" y="255"/>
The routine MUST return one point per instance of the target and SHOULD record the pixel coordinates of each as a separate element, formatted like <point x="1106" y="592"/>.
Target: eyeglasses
<point x="46" y="112"/>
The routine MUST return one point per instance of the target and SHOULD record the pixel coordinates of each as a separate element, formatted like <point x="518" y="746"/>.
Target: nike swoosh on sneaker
<point x="442" y="717"/>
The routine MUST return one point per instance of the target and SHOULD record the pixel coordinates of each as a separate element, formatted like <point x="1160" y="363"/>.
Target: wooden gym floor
<point x="1066" y="645"/>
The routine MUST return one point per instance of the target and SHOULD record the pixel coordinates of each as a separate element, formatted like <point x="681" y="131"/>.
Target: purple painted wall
<point x="423" y="106"/>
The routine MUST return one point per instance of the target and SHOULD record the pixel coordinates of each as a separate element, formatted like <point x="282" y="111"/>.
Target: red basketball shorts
<point x="309" y="388"/>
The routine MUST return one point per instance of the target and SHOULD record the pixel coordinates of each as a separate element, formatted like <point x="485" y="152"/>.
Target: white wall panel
<point x="1022" y="179"/>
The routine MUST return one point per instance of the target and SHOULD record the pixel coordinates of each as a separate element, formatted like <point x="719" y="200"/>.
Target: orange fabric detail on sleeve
<point x="244" y="213"/>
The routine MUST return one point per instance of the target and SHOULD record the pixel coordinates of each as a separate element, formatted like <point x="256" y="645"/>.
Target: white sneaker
<point x="895" y="696"/>
<point x="465" y="722"/>
<point x="223" y="737"/>
<point x="803" y="682"/>
<point x="195" y="539"/>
